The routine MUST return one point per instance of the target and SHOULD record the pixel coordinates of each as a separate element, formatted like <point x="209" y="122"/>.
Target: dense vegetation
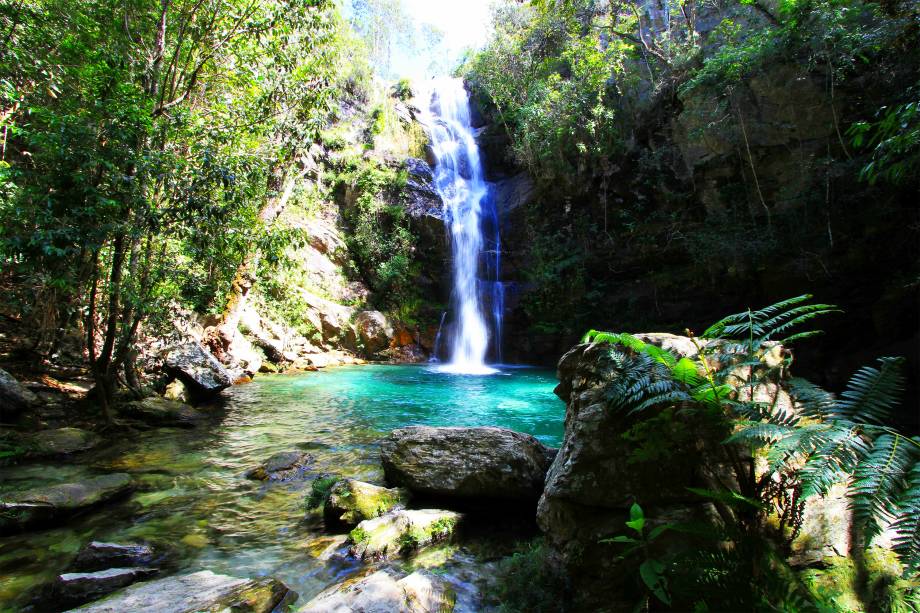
<point x="705" y="145"/>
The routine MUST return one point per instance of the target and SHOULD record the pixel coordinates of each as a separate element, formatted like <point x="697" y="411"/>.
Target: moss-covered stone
<point x="350" y="502"/>
<point x="401" y="532"/>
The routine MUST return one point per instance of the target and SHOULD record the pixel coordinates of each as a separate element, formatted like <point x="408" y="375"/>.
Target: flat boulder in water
<point x="158" y="411"/>
<point x="100" y="556"/>
<point x="198" y="370"/>
<point x="71" y="589"/>
<point x="201" y="591"/>
<point x="20" y="510"/>
<point x="384" y="592"/>
<point x="491" y="463"/>
<point x="283" y="466"/>
<point x="62" y="441"/>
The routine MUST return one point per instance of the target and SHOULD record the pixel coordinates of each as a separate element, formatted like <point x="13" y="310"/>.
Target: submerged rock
<point x="200" y="371"/>
<point x="351" y="502"/>
<point x="20" y="510"/>
<point x="492" y="463"/>
<point x="62" y="441"/>
<point x="71" y="589"/>
<point x="201" y="591"/>
<point x="14" y="397"/>
<point x="384" y="592"/>
<point x="282" y="466"/>
<point x="401" y="531"/>
<point x="158" y="411"/>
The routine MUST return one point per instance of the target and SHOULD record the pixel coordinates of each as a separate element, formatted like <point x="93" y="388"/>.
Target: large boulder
<point x="21" y="510"/>
<point x="384" y="592"/>
<point x="400" y="532"/>
<point x="158" y="411"/>
<point x="62" y="441"/>
<point x="14" y="397"/>
<point x="374" y="330"/>
<point x="491" y="463"/>
<point x="201" y="591"/>
<point x="201" y="372"/>
<point x="351" y="502"/>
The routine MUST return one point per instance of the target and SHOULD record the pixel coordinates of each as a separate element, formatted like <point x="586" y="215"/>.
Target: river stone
<point x="14" y="397"/>
<point x="401" y="531"/>
<point x="351" y="502"/>
<point x="158" y="411"/>
<point x="99" y="556"/>
<point x="198" y="369"/>
<point x="177" y="391"/>
<point x="282" y="466"/>
<point x="24" y="509"/>
<point x="62" y="441"/>
<point x="493" y="463"/>
<point x="374" y="330"/>
<point x="72" y="589"/>
<point x="201" y="591"/>
<point x="384" y="592"/>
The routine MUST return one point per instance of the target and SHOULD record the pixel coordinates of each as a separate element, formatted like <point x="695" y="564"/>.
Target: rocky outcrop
<point x="605" y="465"/>
<point x="384" y="592"/>
<point x="471" y="463"/>
<point x="201" y="591"/>
<point x="157" y="411"/>
<point x="283" y="466"/>
<point x="374" y="330"/>
<point x="400" y="532"/>
<point x="351" y="502"/>
<point x="14" y="396"/>
<point x="20" y="510"/>
<point x="200" y="371"/>
<point x="62" y="442"/>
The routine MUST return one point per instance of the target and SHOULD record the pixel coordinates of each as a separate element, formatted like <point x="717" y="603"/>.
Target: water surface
<point x="192" y="494"/>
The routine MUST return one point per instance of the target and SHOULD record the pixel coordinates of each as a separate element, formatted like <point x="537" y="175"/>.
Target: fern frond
<point x="757" y="434"/>
<point x="906" y="527"/>
<point x="834" y="459"/>
<point x="872" y="393"/>
<point x="878" y="480"/>
<point x="810" y="399"/>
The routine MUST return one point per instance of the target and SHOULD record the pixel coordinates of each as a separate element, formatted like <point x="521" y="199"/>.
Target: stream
<point x="193" y="496"/>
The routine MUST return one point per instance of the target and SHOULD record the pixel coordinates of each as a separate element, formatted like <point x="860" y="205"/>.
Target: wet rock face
<point x="283" y="466"/>
<point x="100" y="556"/>
<point x="21" y="510"/>
<point x="14" y="397"/>
<point x="351" y="502"/>
<point x="384" y="592"/>
<point x="201" y="372"/>
<point x="374" y="330"/>
<point x="401" y="532"/>
<point x="488" y="463"/>
<point x="71" y="589"/>
<point x="201" y="591"/>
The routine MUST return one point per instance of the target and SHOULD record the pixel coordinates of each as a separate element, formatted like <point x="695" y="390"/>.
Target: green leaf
<point x="652" y="572"/>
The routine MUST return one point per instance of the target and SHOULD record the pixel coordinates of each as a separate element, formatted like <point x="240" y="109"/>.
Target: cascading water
<point x="473" y="223"/>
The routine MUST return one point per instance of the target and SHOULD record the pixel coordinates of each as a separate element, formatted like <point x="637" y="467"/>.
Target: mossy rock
<point x="350" y="502"/>
<point x="62" y="441"/>
<point x="401" y="532"/>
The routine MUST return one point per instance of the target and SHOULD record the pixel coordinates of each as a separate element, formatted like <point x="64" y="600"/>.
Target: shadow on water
<point x="192" y="495"/>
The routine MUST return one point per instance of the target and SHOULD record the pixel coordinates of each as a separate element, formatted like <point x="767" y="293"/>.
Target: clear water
<point x="193" y="495"/>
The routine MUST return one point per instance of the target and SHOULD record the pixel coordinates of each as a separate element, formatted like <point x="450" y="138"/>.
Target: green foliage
<point x="403" y="90"/>
<point x="894" y="140"/>
<point x="380" y="238"/>
<point x="320" y="491"/>
<point x="526" y="582"/>
<point x="651" y="569"/>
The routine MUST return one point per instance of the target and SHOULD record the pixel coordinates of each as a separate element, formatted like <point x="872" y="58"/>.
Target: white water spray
<point x="459" y="180"/>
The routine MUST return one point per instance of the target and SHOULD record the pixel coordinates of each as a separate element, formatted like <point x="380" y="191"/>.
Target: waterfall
<point x="473" y="223"/>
